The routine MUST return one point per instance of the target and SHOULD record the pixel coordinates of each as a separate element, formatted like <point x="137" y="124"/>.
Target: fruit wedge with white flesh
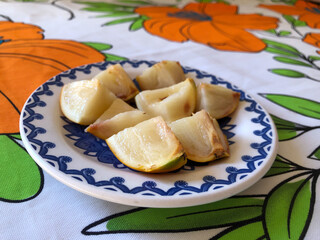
<point x="105" y="129"/>
<point x="201" y="137"/>
<point x="150" y="146"/>
<point x="171" y="103"/>
<point x="118" y="81"/>
<point x="218" y="101"/>
<point x="117" y="106"/>
<point x="84" y="101"/>
<point x="160" y="75"/>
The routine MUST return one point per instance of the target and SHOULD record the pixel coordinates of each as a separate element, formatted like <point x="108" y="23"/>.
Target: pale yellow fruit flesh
<point x="84" y="101"/>
<point x="201" y="137"/>
<point x="171" y="103"/>
<point x="117" y="106"/>
<point x="160" y="75"/>
<point x="218" y="101"/>
<point x="116" y="79"/>
<point x="105" y="129"/>
<point x="150" y="146"/>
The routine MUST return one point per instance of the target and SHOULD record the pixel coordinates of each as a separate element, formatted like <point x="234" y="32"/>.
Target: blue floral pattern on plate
<point x="35" y="137"/>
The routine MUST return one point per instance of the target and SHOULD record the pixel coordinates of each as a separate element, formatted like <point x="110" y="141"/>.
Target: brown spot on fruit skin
<point x="163" y="98"/>
<point x="236" y="96"/>
<point x="186" y="107"/>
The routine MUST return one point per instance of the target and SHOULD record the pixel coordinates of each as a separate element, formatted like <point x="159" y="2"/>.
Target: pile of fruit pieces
<point x="172" y="119"/>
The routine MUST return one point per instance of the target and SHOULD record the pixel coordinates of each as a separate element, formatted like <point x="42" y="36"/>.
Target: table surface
<point x="270" y="49"/>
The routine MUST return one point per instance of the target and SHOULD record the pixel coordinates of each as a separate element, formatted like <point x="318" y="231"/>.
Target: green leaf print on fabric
<point x="288" y="2"/>
<point x="284" y="33"/>
<point x="98" y="46"/>
<point x="138" y="23"/>
<point x="314" y="58"/>
<point x="287" y="209"/>
<point x="294" y="22"/>
<point x="122" y="13"/>
<point x="106" y="7"/>
<point x="251" y="231"/>
<point x="138" y="2"/>
<point x="16" y="136"/>
<point x="116" y="14"/>
<point x="21" y="179"/>
<point x="101" y="47"/>
<point x="179" y="219"/>
<point x="111" y="57"/>
<point x="288" y="130"/>
<point x="292" y="61"/>
<point x="280" y="52"/>
<point x="281" y="165"/>
<point x="213" y="215"/>
<point x="290" y="55"/>
<point x="315" y="155"/>
<point x="282" y="47"/>
<point x="121" y="20"/>
<point x="305" y="107"/>
<point x="280" y="33"/>
<point x="288" y="73"/>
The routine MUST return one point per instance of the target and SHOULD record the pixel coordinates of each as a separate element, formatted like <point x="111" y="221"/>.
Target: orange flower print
<point x="307" y="12"/>
<point x="214" y="24"/>
<point x="27" y="60"/>
<point x="313" y="39"/>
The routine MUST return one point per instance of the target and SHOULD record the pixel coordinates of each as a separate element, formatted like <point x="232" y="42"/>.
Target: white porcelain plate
<point x="85" y="163"/>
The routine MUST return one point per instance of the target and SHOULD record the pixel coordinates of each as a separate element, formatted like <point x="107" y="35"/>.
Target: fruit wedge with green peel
<point x="172" y="103"/>
<point x="160" y="75"/>
<point x="84" y="101"/>
<point x="150" y="147"/>
<point x="117" y="106"/>
<point x="218" y="101"/>
<point x="105" y="129"/>
<point x="201" y="137"/>
<point x="118" y="81"/>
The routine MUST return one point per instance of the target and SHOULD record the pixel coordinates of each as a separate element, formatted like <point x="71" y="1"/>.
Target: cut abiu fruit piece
<point x="160" y="75"/>
<point x="118" y="81"/>
<point x="218" y="101"/>
<point x="105" y="129"/>
<point x="84" y="101"/>
<point x="117" y="106"/>
<point x="150" y="146"/>
<point x="171" y="103"/>
<point x="117" y="117"/>
<point x="201" y="137"/>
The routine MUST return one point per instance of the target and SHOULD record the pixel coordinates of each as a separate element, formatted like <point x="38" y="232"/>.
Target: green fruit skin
<point x="172" y="165"/>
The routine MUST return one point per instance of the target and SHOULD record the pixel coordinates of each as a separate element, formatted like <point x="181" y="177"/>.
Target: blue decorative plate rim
<point x="148" y="188"/>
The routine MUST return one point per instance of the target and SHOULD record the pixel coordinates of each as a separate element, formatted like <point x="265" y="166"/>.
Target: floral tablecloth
<point x="270" y="49"/>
